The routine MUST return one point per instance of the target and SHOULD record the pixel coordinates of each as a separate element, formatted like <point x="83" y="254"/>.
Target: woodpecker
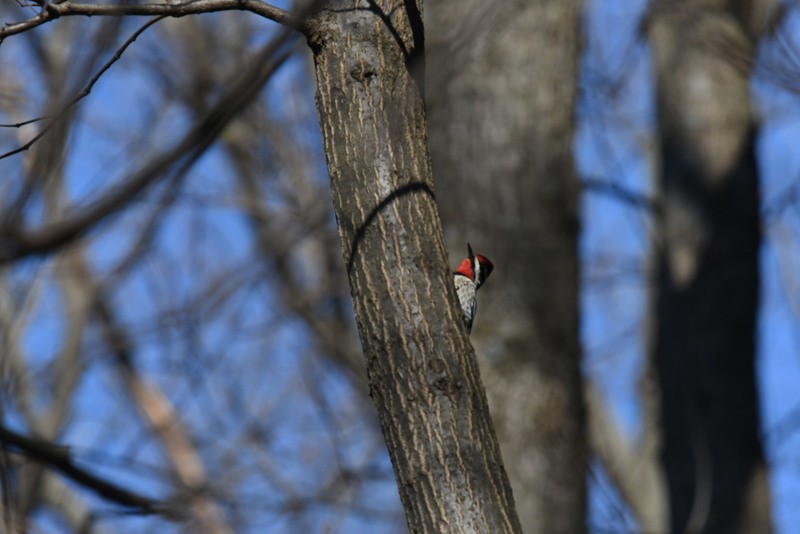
<point x="470" y="275"/>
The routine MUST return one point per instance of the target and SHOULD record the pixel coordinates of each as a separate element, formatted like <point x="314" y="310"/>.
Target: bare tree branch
<point x="60" y="459"/>
<point x="633" y="466"/>
<point x="70" y="504"/>
<point x="52" y="11"/>
<point x="15" y="243"/>
<point x="627" y="196"/>
<point x="157" y="410"/>
<point x="83" y="94"/>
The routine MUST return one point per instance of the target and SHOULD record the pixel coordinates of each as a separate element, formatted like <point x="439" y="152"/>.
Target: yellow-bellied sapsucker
<point x="472" y="272"/>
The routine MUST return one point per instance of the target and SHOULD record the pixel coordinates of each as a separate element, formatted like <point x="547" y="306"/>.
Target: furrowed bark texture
<point x="502" y="84"/>
<point x="707" y="285"/>
<point x="422" y="369"/>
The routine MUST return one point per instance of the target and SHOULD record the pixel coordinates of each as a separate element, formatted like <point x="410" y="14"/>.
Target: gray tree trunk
<point x="422" y="370"/>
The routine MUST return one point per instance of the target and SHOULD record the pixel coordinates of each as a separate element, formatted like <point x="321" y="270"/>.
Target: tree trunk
<point x="706" y="293"/>
<point x="501" y="97"/>
<point x="422" y="369"/>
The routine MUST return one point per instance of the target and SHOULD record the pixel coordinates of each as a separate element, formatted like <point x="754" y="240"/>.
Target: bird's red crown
<point x="475" y="263"/>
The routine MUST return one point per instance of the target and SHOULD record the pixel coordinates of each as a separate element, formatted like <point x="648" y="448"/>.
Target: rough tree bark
<point x="423" y="374"/>
<point x="501" y="93"/>
<point x="707" y="281"/>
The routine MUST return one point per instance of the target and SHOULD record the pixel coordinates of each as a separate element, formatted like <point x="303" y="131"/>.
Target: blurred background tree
<point x="502" y="87"/>
<point x="192" y="363"/>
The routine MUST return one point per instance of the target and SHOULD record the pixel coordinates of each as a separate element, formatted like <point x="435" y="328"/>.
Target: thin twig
<point x="15" y="244"/>
<point x="84" y="93"/>
<point x="614" y="190"/>
<point x="23" y="123"/>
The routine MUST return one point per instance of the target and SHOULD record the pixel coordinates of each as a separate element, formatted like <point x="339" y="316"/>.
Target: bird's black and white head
<point x="481" y="267"/>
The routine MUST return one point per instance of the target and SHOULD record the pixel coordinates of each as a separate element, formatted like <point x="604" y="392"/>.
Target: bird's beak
<point x="476" y="267"/>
